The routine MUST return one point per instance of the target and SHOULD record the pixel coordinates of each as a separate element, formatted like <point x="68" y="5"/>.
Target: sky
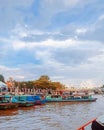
<point x="63" y="39"/>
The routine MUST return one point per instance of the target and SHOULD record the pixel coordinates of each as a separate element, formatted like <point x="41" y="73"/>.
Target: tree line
<point x="43" y="82"/>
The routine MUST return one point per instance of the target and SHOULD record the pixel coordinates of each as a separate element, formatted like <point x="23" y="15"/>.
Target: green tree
<point x="2" y="78"/>
<point x="44" y="77"/>
<point x="45" y="82"/>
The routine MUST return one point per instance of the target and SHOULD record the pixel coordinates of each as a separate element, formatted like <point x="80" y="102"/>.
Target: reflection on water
<point x="8" y="112"/>
<point x="52" y="116"/>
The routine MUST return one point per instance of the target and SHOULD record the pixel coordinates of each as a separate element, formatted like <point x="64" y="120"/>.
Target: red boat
<point x="86" y="124"/>
<point x="8" y="105"/>
<point x="95" y="124"/>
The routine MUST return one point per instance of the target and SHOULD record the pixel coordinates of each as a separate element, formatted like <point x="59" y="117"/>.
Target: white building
<point x="3" y="87"/>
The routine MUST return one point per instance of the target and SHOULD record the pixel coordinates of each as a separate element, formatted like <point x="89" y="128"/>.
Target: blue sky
<point x="63" y="39"/>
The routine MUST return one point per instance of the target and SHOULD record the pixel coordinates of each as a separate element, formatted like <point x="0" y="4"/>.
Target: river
<point x="52" y="116"/>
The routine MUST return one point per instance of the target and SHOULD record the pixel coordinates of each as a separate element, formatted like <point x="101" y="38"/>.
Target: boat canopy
<point x="3" y="87"/>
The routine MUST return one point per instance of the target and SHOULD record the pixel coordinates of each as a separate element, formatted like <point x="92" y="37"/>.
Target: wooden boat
<point x="26" y="104"/>
<point x="8" y="105"/>
<point x="40" y="102"/>
<point x="86" y="124"/>
<point x="22" y="101"/>
<point x="95" y="124"/>
<point x="10" y="101"/>
<point x="19" y="99"/>
<point x="59" y="98"/>
<point x="39" y="99"/>
<point x="29" y="100"/>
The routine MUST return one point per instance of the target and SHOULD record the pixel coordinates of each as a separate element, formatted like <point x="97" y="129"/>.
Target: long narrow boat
<point x="19" y="99"/>
<point x="28" y="100"/>
<point x="26" y="104"/>
<point x="23" y="101"/>
<point x="94" y="124"/>
<point x="59" y="98"/>
<point x="8" y="105"/>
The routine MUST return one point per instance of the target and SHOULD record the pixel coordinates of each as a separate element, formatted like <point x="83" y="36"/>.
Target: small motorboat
<point x="95" y="124"/>
<point x="98" y="124"/>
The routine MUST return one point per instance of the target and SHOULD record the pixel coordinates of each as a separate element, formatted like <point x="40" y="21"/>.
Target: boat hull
<point x="72" y="100"/>
<point x="28" y="100"/>
<point x="26" y="104"/>
<point x="4" y="106"/>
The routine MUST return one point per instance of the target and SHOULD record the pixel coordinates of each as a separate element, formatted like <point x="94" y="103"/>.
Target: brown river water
<point x="52" y="116"/>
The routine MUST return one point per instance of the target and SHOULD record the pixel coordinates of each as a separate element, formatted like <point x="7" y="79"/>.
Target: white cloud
<point x="65" y="2"/>
<point x="18" y="45"/>
<point x="81" y="31"/>
<point x="87" y="84"/>
<point x="12" y="3"/>
<point x="101" y="17"/>
<point x="76" y="55"/>
<point x="71" y="2"/>
<point x="63" y="72"/>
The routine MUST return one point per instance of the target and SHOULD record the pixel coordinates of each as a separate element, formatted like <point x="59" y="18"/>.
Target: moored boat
<point x="39" y="99"/>
<point x="28" y="100"/>
<point x="23" y="100"/>
<point x="26" y="104"/>
<point x="70" y="98"/>
<point x="6" y="103"/>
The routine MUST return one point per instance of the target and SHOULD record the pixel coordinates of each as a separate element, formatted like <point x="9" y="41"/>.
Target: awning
<point x="3" y="87"/>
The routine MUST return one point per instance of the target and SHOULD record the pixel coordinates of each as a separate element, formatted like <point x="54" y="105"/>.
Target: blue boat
<point x="23" y="101"/>
<point x="28" y="100"/>
<point x="39" y="100"/>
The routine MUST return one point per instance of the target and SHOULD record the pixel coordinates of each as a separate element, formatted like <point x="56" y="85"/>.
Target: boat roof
<point x="3" y="86"/>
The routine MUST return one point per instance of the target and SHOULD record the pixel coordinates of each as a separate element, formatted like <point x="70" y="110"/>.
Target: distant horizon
<point x="59" y="38"/>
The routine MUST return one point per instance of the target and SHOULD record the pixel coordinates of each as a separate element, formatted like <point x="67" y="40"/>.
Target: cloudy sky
<point x="63" y="39"/>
